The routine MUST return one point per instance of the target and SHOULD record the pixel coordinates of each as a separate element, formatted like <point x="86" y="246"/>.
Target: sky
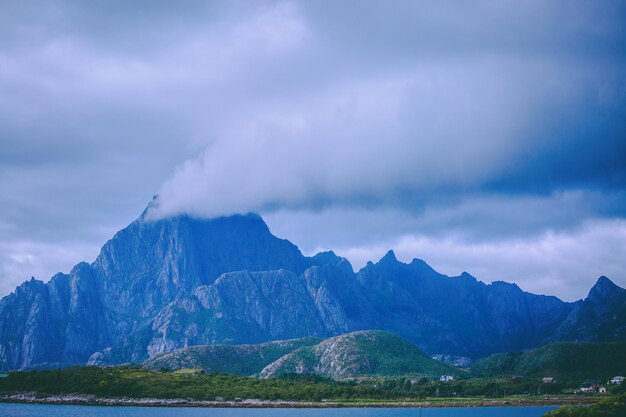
<point x="487" y="137"/>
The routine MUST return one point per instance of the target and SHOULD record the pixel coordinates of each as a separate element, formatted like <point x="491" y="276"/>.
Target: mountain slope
<point x="563" y="360"/>
<point x="162" y="285"/>
<point x="600" y="317"/>
<point x="444" y="314"/>
<point x="363" y="353"/>
<point x="141" y="271"/>
<point x="232" y="359"/>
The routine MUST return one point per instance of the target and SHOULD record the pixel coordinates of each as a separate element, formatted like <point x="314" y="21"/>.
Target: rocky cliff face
<point x="128" y="300"/>
<point x="163" y="285"/>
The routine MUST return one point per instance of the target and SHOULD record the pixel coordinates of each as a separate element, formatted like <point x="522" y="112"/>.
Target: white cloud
<point x="19" y="260"/>
<point x="375" y="139"/>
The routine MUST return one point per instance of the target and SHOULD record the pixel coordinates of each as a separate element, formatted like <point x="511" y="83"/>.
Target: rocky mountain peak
<point x="389" y="258"/>
<point x="605" y="291"/>
<point x="327" y="257"/>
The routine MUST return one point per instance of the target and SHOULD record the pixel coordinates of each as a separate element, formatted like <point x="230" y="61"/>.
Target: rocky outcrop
<point x="163" y="285"/>
<point x="357" y="354"/>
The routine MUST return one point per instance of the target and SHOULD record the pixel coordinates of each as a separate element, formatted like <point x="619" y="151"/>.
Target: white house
<point x="616" y="380"/>
<point x="602" y="390"/>
<point x="547" y="379"/>
<point x="446" y="378"/>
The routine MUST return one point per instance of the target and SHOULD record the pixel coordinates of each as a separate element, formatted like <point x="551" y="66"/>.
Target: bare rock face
<point x="54" y="324"/>
<point x="163" y="285"/>
<point x="101" y="358"/>
<point x="133" y="296"/>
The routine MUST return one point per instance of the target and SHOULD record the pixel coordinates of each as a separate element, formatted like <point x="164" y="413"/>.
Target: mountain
<point x="444" y="314"/>
<point x="162" y="285"/>
<point x="140" y="279"/>
<point x="564" y="360"/>
<point x="363" y="353"/>
<point x="600" y="317"/>
<point x="231" y="359"/>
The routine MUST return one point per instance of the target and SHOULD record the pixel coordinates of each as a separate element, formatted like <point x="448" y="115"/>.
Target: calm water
<point x="36" y="410"/>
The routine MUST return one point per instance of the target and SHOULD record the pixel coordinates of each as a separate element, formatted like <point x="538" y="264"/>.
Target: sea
<point x="42" y="410"/>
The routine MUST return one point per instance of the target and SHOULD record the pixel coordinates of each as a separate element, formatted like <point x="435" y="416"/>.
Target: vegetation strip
<point x="608" y="407"/>
<point x="76" y="399"/>
<point x="136" y="386"/>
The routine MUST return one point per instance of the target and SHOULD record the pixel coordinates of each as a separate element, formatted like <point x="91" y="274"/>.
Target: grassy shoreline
<point x="80" y="399"/>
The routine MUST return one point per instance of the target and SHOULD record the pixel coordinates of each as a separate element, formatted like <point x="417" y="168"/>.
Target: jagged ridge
<point x="163" y="285"/>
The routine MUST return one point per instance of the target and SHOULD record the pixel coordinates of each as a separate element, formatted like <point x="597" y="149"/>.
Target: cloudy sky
<point x="487" y="137"/>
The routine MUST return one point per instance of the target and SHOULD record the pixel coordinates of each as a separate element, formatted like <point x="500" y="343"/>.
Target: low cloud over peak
<point x="490" y="126"/>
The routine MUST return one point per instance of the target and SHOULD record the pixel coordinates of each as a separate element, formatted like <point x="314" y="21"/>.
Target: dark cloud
<point x="477" y="123"/>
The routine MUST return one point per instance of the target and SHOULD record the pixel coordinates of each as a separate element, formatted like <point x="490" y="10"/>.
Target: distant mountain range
<point x="183" y="281"/>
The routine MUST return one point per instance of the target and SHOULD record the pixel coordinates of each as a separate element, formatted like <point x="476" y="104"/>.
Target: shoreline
<point x="91" y="400"/>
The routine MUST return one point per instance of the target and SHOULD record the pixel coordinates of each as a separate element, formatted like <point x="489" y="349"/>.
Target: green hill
<point x="231" y="359"/>
<point x="577" y="361"/>
<point x="116" y="382"/>
<point x="363" y="353"/>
